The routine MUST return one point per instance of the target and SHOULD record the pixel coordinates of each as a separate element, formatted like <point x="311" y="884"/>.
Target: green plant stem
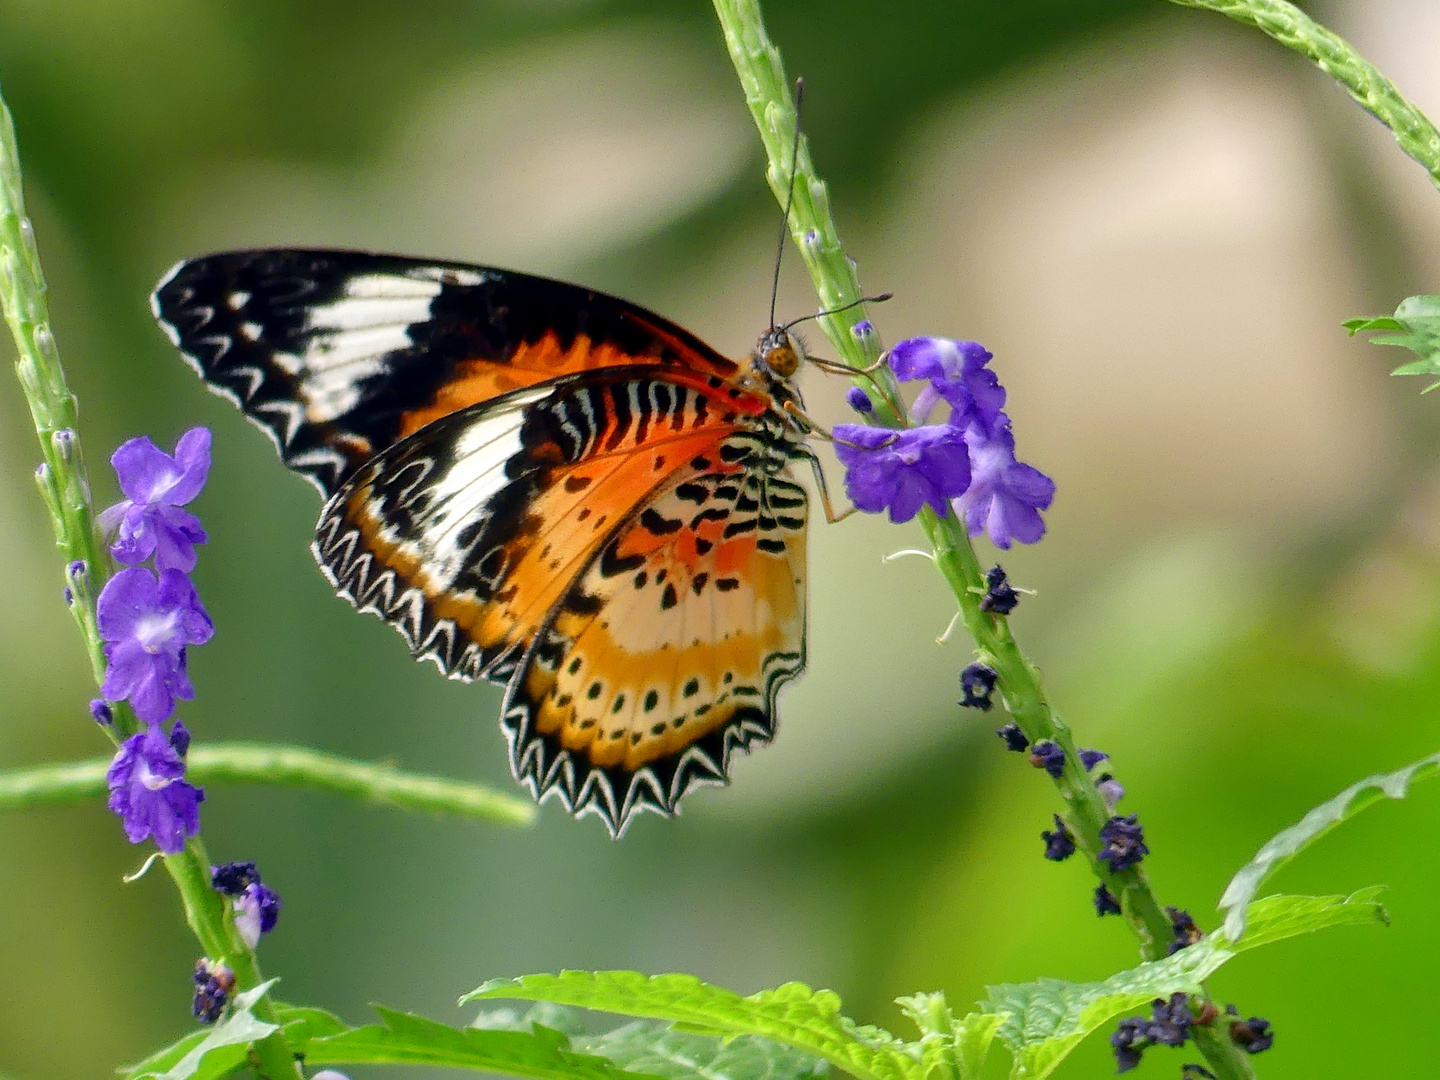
<point x="762" y="76"/>
<point x="290" y="766"/>
<point x="1292" y="28"/>
<point x="65" y="489"/>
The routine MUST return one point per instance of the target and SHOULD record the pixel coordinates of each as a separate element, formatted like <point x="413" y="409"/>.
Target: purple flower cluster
<point x="1169" y="1025"/>
<point x="968" y="461"/>
<point x="148" y="621"/>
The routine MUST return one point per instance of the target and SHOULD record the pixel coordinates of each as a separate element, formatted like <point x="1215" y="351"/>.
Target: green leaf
<point x="302" y="1023"/>
<point x="404" y="1038"/>
<point x="974" y="1033"/>
<point x="1047" y="1019"/>
<point x="652" y="1046"/>
<point x="218" y="1052"/>
<point x="1414" y="326"/>
<point x="794" y="1014"/>
<point x="1287" y="843"/>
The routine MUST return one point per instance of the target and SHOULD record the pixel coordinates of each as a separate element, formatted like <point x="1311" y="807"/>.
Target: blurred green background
<point x="1155" y="219"/>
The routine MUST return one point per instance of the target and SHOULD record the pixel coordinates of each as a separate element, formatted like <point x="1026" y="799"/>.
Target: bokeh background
<point x="1157" y="220"/>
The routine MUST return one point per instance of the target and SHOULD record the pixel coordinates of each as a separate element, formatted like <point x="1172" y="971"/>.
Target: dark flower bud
<point x="1186" y="932"/>
<point x="1253" y="1035"/>
<point x="1060" y="844"/>
<point x="1105" y="902"/>
<point x="100" y="710"/>
<point x="977" y="683"/>
<point x="1049" y="756"/>
<point x="1169" y="1020"/>
<point x="1013" y="737"/>
<point x="1209" y="1013"/>
<point x="1090" y="758"/>
<point x="233" y="878"/>
<point x="860" y="401"/>
<point x="1124" y="843"/>
<point x="1195" y="1072"/>
<point x="1127" y="1042"/>
<point x="213" y="983"/>
<point x="1109" y="789"/>
<point x="1000" y="597"/>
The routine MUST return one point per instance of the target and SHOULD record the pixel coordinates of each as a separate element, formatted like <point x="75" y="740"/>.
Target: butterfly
<point x="539" y="485"/>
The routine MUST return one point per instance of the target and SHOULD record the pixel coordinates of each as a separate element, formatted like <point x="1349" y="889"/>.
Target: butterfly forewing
<point x="340" y="354"/>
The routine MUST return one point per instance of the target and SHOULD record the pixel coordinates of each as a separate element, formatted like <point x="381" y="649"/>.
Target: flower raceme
<point x="968" y="461"/>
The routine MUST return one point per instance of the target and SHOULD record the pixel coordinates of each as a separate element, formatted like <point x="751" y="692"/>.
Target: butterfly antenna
<point x="879" y="298"/>
<point x="789" y="199"/>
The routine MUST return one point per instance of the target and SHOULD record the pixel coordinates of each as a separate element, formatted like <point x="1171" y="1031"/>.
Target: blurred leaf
<point x="651" y="1046"/>
<point x="1414" y="326"/>
<point x="974" y="1033"/>
<point x="1046" y="1019"/>
<point x="1281" y="847"/>
<point x="404" y="1038"/>
<point x="217" y="1052"/>
<point x="655" y="1047"/>
<point x="303" y="1023"/>
<point x="793" y="1013"/>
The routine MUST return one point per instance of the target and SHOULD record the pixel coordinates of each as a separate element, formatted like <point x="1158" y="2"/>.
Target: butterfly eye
<point x="783" y="360"/>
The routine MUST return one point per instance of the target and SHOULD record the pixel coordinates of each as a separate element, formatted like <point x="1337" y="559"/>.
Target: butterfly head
<point x="777" y="355"/>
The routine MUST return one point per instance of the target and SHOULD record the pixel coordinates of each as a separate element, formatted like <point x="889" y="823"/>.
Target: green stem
<point x="757" y="61"/>
<point x="64" y="485"/>
<point x="1292" y="28"/>
<point x="65" y="489"/>
<point x="290" y="766"/>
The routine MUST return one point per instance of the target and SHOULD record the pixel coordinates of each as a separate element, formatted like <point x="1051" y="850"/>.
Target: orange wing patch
<point x="466" y="535"/>
<point x="669" y="651"/>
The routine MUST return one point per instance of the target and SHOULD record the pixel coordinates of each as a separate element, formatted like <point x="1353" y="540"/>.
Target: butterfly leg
<point x="832" y="367"/>
<point x="824" y="491"/>
<point x="811" y="427"/>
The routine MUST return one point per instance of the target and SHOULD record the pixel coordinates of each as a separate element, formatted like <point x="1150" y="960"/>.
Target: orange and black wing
<point x="339" y="355"/>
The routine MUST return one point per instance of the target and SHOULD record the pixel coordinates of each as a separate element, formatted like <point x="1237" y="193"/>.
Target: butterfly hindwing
<point x="340" y="354"/>
<point x="669" y="651"/>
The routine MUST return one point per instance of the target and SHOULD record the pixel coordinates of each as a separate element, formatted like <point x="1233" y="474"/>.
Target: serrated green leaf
<point x="404" y="1038"/>
<point x="974" y="1033"/>
<point x="794" y="1014"/>
<point x="164" y="1059"/>
<point x="219" y="1051"/>
<point x="1047" y="1019"/>
<point x="653" y="1046"/>
<point x="302" y="1023"/>
<point x="1414" y="326"/>
<point x="1287" y="843"/>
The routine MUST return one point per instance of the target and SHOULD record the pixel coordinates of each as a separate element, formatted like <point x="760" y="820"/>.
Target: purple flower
<point x="957" y="374"/>
<point x="257" y="910"/>
<point x="1124" y="842"/>
<point x="1000" y="596"/>
<point x="902" y="470"/>
<point x="1049" y="756"/>
<point x="1059" y="844"/>
<point x="147" y="624"/>
<point x="1090" y="758"/>
<point x="1005" y="496"/>
<point x="1253" y="1035"/>
<point x="156" y="485"/>
<point x="859" y="401"/>
<point x="213" y="983"/>
<point x="1013" y="738"/>
<point x="1105" y="902"/>
<point x="149" y="792"/>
